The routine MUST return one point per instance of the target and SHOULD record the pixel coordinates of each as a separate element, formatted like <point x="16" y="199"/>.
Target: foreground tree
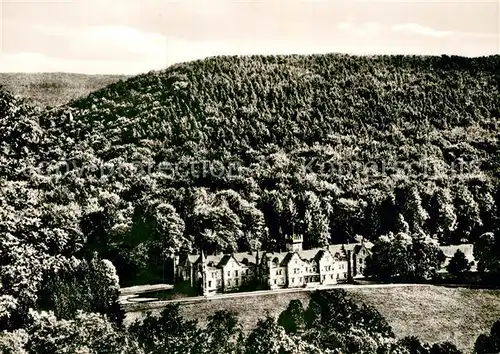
<point x="270" y="338"/>
<point x="168" y="333"/>
<point x="293" y="318"/>
<point x="487" y="344"/>
<point x="86" y="333"/>
<point x="223" y="334"/>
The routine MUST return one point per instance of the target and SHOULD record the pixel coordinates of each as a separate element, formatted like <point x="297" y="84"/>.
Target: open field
<point x="54" y="89"/>
<point x="436" y="313"/>
<point x="432" y="313"/>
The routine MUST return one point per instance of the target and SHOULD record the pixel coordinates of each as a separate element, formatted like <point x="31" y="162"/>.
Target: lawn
<point x="431" y="313"/>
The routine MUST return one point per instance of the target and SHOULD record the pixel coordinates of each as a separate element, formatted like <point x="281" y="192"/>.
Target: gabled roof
<point x="251" y="258"/>
<point x="279" y="256"/>
<point x="365" y="245"/>
<point x="340" y="249"/>
<point x="221" y="260"/>
<point x="309" y="254"/>
<point x="225" y="260"/>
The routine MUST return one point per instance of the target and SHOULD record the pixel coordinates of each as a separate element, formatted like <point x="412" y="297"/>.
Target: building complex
<point x="293" y="268"/>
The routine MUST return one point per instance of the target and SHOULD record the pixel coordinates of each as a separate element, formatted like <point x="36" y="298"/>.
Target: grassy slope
<point x="430" y="313"/>
<point x="54" y="89"/>
<point x="436" y="313"/>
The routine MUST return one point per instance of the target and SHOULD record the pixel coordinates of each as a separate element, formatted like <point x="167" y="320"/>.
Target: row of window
<point x="229" y="282"/>
<point x="307" y="279"/>
<point x="236" y="273"/>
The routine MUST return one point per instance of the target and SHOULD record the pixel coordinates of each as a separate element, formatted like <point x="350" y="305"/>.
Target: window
<point x="300" y="280"/>
<point x="228" y="273"/>
<point x="236" y="282"/>
<point x="306" y="279"/>
<point x="274" y="281"/>
<point x="229" y="282"/>
<point x="293" y="280"/>
<point x="338" y="276"/>
<point x="361" y="261"/>
<point x="235" y="273"/>
<point x="324" y="277"/>
<point x="218" y="282"/>
<point x="209" y="283"/>
<point x="345" y="275"/>
<point x="277" y="272"/>
<point x="331" y="276"/>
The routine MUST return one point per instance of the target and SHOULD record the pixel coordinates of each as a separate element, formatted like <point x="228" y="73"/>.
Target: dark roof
<point x="224" y="260"/>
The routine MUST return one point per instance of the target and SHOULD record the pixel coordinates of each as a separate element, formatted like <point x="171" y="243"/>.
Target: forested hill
<point x="239" y="152"/>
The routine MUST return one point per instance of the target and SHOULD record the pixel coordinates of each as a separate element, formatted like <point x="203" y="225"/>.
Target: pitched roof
<point x="242" y="256"/>
<point x="225" y="260"/>
<point x="279" y="256"/>
<point x="220" y="260"/>
<point x="283" y="257"/>
<point x="309" y="254"/>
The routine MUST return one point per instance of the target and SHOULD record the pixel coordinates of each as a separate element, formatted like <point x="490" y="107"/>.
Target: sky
<point x="136" y="36"/>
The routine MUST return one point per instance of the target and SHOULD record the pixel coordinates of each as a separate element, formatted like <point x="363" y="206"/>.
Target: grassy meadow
<point x="431" y="313"/>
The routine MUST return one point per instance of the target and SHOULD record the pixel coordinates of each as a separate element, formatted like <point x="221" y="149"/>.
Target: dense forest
<point x="238" y="153"/>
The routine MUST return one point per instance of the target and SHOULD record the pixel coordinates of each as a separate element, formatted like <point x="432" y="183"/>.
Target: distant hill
<point x="54" y="89"/>
<point x="234" y="153"/>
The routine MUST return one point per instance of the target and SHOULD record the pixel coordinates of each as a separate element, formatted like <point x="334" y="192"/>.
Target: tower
<point x="204" y="285"/>
<point x="294" y="243"/>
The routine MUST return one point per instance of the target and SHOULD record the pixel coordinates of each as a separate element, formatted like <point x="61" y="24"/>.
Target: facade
<point x="293" y="268"/>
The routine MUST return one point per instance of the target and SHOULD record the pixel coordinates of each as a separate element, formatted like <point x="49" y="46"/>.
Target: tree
<point x="487" y="344"/>
<point x="316" y="222"/>
<point x="487" y="255"/>
<point x="403" y="256"/>
<point x="413" y="345"/>
<point x="223" y="333"/>
<point x="468" y="213"/>
<point x="444" y="348"/>
<point x="270" y="338"/>
<point x="167" y="333"/>
<point x="81" y="285"/>
<point x="293" y="318"/>
<point x="414" y="211"/>
<point x="458" y="264"/>
<point x="86" y="333"/>
<point x="445" y="217"/>
<point x="13" y="342"/>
